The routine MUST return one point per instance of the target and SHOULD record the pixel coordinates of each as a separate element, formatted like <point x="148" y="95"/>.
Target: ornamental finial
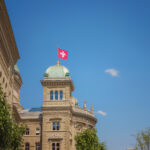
<point x="58" y="62"/>
<point x="92" y="108"/>
<point x="84" y="105"/>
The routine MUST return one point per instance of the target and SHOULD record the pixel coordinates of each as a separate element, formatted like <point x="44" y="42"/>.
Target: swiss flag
<point x="63" y="54"/>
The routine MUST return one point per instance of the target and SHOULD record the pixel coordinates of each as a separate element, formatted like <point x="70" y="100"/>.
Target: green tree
<point x="88" y="140"/>
<point x="143" y="140"/>
<point x="10" y="132"/>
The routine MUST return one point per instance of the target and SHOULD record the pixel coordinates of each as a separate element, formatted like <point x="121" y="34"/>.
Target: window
<point x="56" y="125"/>
<point x="51" y="95"/>
<point x="37" y="145"/>
<point x="37" y="131"/>
<point x="55" y="146"/>
<point x="56" y="95"/>
<point x="61" y="95"/>
<point x="27" y="131"/>
<point x="27" y="146"/>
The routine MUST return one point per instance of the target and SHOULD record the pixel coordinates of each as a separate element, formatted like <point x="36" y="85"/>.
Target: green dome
<point x="56" y="71"/>
<point x="16" y="68"/>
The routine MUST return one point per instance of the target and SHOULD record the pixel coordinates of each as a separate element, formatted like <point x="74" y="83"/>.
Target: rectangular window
<point x="56" y="125"/>
<point x="37" y="131"/>
<point x="55" y="146"/>
<point x="27" y="131"/>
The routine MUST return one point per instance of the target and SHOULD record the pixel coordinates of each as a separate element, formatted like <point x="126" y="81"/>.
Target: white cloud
<point x="100" y="112"/>
<point x="112" y="72"/>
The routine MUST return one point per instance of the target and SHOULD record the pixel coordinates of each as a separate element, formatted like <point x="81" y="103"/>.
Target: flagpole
<point x="57" y="54"/>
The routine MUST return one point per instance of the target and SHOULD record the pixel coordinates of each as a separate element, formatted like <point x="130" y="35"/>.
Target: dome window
<point x="51" y="95"/>
<point x="56" y="95"/>
<point x="61" y="95"/>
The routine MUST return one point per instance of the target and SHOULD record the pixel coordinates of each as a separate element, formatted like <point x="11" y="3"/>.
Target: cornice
<point x="55" y="139"/>
<point x="56" y="83"/>
<point x="56" y="118"/>
<point x="8" y="32"/>
<point x="84" y="114"/>
<point x="31" y="119"/>
<point x="54" y="108"/>
<point x="3" y="50"/>
<point x="4" y="65"/>
<point x="74" y="113"/>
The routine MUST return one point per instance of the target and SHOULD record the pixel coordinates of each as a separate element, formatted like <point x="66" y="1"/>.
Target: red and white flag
<point x="63" y="54"/>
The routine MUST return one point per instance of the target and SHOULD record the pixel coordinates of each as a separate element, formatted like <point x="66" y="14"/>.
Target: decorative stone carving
<point x="55" y="137"/>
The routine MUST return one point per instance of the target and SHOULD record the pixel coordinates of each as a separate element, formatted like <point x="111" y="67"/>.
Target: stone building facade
<point x="54" y="125"/>
<point x="9" y="74"/>
<point x="60" y="119"/>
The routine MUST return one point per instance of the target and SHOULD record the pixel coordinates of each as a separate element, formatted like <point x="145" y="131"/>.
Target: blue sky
<point x="102" y="36"/>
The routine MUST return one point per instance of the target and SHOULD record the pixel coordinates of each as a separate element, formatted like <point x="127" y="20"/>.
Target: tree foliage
<point x="143" y="140"/>
<point x="88" y="140"/>
<point x="10" y="132"/>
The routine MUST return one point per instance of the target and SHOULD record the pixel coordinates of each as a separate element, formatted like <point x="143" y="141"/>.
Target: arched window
<point x="61" y="95"/>
<point x="58" y="146"/>
<point x="53" y="146"/>
<point x="56" y="95"/>
<point x="27" y="146"/>
<point x="51" y="95"/>
<point x="37" y="146"/>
